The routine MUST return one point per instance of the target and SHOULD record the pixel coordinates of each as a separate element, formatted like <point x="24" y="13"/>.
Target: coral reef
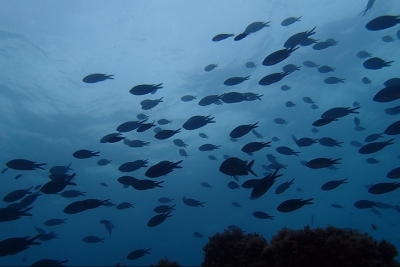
<point x="234" y="248"/>
<point x="328" y="246"/>
<point x="167" y="262"/>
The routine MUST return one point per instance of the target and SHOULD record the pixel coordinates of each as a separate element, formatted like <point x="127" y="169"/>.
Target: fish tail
<point x="39" y="165"/>
<point x="335" y="161"/>
<point x="249" y="168"/>
<point x="307" y="201"/>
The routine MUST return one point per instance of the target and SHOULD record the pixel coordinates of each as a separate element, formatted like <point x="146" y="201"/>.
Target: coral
<point x="166" y="262"/>
<point x="328" y="246"/>
<point x="233" y="248"/>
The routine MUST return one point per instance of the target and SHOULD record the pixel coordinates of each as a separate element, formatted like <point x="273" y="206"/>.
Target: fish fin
<point x="249" y="168"/>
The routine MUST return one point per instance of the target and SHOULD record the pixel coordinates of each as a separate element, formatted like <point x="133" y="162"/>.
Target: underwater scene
<point x="134" y="131"/>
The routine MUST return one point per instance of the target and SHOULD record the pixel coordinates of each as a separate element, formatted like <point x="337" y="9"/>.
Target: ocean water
<point x="47" y="113"/>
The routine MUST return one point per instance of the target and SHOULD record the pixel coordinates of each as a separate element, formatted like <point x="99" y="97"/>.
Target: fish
<point x="164" y="208"/>
<point x="85" y="154"/>
<point x="222" y="36"/>
<point x="165" y="134"/>
<point x="125" y="127"/>
<point x="93" y="239"/>
<point x="339" y="112"/>
<point x="376" y="63"/>
<point x="319" y="163"/>
<point x="208" y="147"/>
<point x="306" y="141"/>
<point x="367" y="7"/>
<point x="192" y="202"/>
<point x="206" y="185"/>
<point x="325" y="69"/>
<point x="235" y="80"/>
<point x="262" y="215"/>
<point x="393" y="129"/>
<point x="165" y="200"/>
<point x="210" y="67"/>
<point x="372" y="161"/>
<point x="382" y="22"/>
<point x="374" y="147"/>
<point x="394" y="173"/>
<point x="329" y="142"/>
<point x="138" y="253"/>
<point x="72" y="193"/>
<point x="293" y="204"/>
<point x="323" y="45"/>
<point x="15" y="245"/>
<point x="333" y="80"/>
<point x="54" y="222"/>
<point x="310" y="64"/>
<point x="256" y="26"/>
<point x="150" y="103"/>
<point x="60" y="169"/>
<point x="179" y="143"/>
<point x="388" y="94"/>
<point x="16" y="195"/>
<point x="103" y="162"/>
<point x="273" y="78"/>
<point x="290" y="21"/>
<point x="24" y="165"/>
<point x="208" y="100"/>
<point x="233" y="97"/>
<point x="383" y="188"/>
<point x="143" y="89"/>
<point x="188" y="98"/>
<point x="236" y="204"/>
<point x="83" y="205"/>
<point x="203" y="135"/>
<point x="298" y="38"/>
<point x="363" y="54"/>
<point x="108" y="225"/>
<point x="233" y="185"/>
<point x="145" y="126"/>
<point x="124" y="205"/>
<point x="284" y="150"/>
<point x="365" y="204"/>
<point x="264" y="184"/>
<point x="283" y="187"/>
<point x="290" y="68"/>
<point x="144" y="184"/>
<point x="57" y="185"/>
<point x="136" y="143"/>
<point x="49" y="262"/>
<point x="97" y="77"/>
<point x="251" y="147"/>
<point x="250" y="65"/>
<point x="333" y="184"/>
<point x="236" y="167"/>
<point x="278" y="56"/>
<point x="242" y="130"/>
<point x="197" y="234"/>
<point x="241" y="36"/>
<point x="197" y="122"/>
<point x="10" y="214"/>
<point x="183" y="153"/>
<point x="133" y="165"/>
<point x="162" y="168"/>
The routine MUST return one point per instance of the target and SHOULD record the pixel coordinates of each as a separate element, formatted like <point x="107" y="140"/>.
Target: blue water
<point x="47" y="113"/>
